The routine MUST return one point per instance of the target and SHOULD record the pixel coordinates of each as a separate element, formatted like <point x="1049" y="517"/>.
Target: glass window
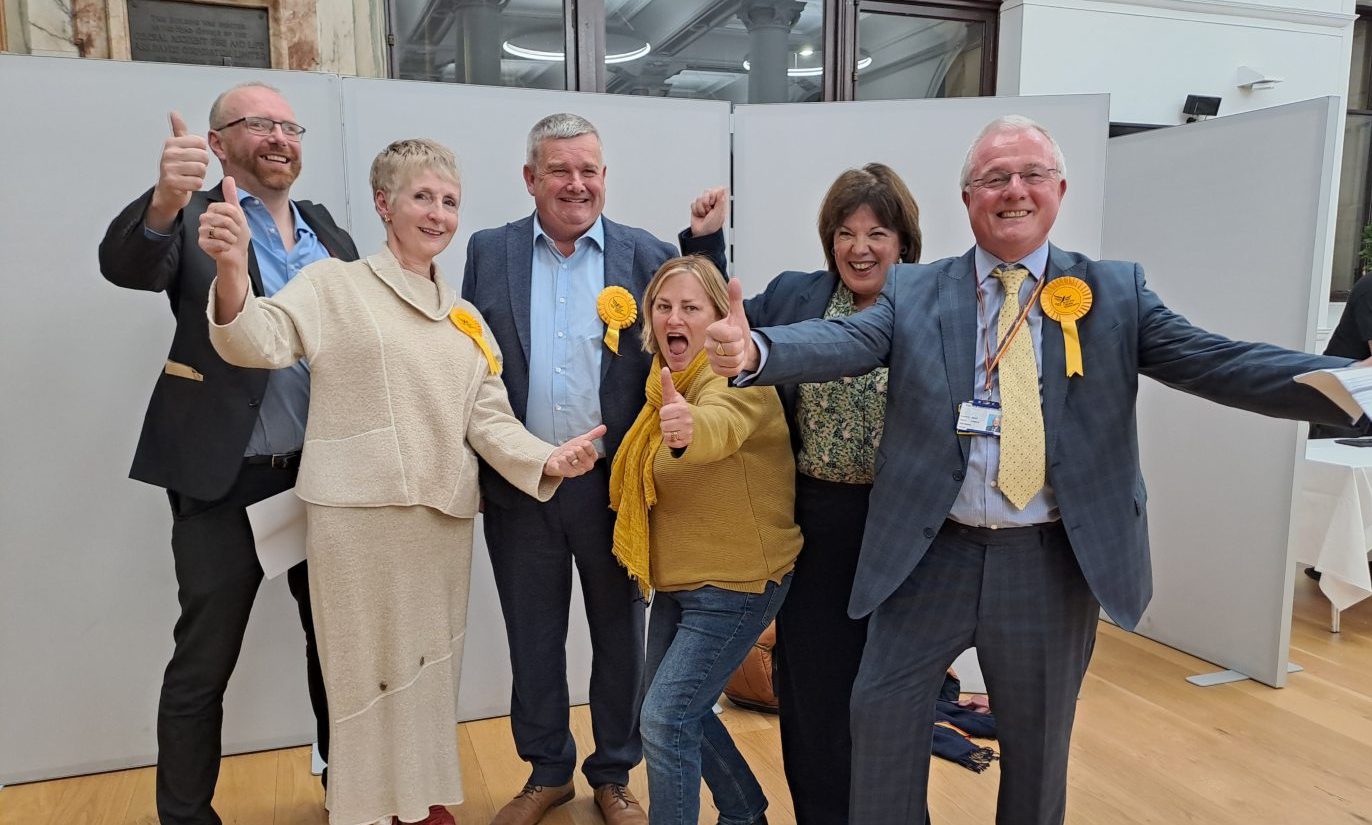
<point x="905" y="56"/>
<point x="1352" y="213"/>
<point x="754" y="51"/>
<point x="490" y="42"/>
<point x="1355" y="176"/>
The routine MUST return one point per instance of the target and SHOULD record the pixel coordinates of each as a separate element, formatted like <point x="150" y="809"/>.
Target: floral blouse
<point x="840" y="421"/>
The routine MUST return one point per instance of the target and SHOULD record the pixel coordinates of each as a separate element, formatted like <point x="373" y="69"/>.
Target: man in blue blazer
<point x="1008" y="506"/>
<point x="547" y="285"/>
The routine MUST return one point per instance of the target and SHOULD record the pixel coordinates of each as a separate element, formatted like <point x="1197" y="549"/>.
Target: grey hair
<point x="217" y="108"/>
<point x="1012" y="124"/>
<point x="560" y="126"/>
<point x="400" y="162"/>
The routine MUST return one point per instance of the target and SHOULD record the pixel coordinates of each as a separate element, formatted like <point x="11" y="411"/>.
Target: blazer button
<point x="256" y="402"/>
<point x="928" y="532"/>
<point x="958" y="475"/>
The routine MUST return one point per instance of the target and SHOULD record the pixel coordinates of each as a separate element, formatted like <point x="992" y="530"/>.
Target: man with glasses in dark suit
<point x="219" y="438"/>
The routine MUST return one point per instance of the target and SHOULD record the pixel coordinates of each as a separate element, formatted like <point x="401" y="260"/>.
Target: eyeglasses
<point x="264" y="126"/>
<point x="997" y="181"/>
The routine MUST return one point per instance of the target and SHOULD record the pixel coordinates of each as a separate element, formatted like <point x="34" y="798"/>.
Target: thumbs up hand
<point x="224" y="236"/>
<point x="675" y="415"/>
<point x="180" y="173"/>
<point x="729" y="341"/>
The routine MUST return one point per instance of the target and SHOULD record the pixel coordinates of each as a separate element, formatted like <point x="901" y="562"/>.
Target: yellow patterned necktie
<point x="1021" y="427"/>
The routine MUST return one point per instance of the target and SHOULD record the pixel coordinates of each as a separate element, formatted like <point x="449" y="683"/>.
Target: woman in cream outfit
<point x="405" y="394"/>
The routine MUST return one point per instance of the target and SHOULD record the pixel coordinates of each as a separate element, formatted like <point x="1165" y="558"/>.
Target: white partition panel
<point x="1231" y="219"/>
<point x="786" y="155"/>
<point x="87" y="591"/>
<point x="659" y="154"/>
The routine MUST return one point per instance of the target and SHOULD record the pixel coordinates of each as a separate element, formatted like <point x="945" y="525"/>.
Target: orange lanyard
<point x="993" y="362"/>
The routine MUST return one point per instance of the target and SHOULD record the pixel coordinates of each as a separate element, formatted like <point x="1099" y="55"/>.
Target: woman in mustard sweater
<point x="704" y="488"/>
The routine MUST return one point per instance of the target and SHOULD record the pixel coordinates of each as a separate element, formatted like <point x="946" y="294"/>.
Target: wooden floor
<point x="1149" y="748"/>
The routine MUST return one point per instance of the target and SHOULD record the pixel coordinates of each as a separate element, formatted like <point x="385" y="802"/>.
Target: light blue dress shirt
<point x="280" y="426"/>
<point x="565" y="336"/>
<point x="979" y="502"/>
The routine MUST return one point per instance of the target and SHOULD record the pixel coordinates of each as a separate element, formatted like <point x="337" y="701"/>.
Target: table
<point x="1333" y="521"/>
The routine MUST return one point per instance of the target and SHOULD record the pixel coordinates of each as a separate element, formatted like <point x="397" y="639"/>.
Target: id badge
<point x="979" y="418"/>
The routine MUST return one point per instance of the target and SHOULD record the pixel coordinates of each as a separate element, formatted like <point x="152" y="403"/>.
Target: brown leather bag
<point x="751" y="685"/>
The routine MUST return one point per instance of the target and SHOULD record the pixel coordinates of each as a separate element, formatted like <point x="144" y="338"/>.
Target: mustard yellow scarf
<point x="632" y="492"/>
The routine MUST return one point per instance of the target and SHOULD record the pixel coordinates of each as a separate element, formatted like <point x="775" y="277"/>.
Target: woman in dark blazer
<point x="868" y="222"/>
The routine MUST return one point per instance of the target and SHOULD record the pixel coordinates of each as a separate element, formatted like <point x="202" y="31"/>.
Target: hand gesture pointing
<point x="675" y="414"/>
<point x="729" y="341"/>
<point x="575" y="456"/>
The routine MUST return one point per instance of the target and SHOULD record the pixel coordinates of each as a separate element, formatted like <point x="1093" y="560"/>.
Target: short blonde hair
<point x="705" y="273"/>
<point x="398" y="164"/>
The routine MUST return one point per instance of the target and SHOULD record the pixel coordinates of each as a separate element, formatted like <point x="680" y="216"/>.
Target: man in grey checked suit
<point x="948" y="561"/>
<point x="537" y="281"/>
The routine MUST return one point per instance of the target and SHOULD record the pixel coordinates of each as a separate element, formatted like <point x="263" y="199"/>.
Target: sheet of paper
<point x="278" y="530"/>
<point x="1349" y="387"/>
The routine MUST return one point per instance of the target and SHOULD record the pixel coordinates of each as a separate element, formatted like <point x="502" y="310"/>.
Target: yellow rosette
<point x="617" y="309"/>
<point x="1065" y="300"/>
<point x="469" y="326"/>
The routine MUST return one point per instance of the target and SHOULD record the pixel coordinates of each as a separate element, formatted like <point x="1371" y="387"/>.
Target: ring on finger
<point x="719" y="348"/>
<point x="211" y="233"/>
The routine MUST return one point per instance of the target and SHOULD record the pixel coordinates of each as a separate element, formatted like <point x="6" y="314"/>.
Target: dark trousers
<point x="1020" y="598"/>
<point x="532" y="547"/>
<point x="819" y="648"/>
<point x="217" y="577"/>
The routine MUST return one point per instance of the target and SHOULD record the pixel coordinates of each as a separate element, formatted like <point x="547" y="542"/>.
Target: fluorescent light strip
<point x="557" y="57"/>
<point x="812" y="71"/>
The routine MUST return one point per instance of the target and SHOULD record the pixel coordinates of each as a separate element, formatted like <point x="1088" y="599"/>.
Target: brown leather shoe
<point x="618" y="806"/>
<point x="532" y="803"/>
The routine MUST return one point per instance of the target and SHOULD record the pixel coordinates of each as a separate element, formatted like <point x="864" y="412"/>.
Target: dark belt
<point x="279" y="461"/>
<point x="1006" y="535"/>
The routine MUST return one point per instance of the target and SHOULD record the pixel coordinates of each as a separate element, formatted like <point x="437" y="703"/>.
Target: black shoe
<point x="1312" y="573"/>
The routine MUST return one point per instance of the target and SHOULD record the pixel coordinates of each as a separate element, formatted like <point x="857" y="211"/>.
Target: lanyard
<point x="993" y="362"/>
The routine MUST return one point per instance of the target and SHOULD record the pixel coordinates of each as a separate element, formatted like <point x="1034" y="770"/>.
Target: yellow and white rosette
<point x="1065" y="300"/>
<point x="618" y="310"/>
<point x="469" y="326"/>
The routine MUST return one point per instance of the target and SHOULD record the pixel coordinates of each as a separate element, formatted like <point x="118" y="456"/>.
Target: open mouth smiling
<point x="677" y="343"/>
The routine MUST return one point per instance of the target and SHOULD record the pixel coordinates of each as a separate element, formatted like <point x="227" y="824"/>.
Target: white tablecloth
<point x="1333" y="520"/>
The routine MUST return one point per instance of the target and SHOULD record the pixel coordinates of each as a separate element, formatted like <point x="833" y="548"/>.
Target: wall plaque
<point x="169" y="31"/>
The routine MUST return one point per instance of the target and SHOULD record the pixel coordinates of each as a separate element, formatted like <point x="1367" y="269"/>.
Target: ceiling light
<point x="541" y="45"/>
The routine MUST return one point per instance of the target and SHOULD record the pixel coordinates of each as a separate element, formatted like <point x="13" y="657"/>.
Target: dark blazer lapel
<point x="957" y="312"/>
<point x="519" y="269"/>
<point x="619" y="271"/>
<point x="337" y="244"/>
<point x="1054" y="371"/>
<point x="814" y="299"/>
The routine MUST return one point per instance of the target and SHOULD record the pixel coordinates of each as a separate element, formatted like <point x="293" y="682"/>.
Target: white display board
<point x="659" y="155"/>
<point x="1232" y="220"/>
<point x="87" y="590"/>
<point x="787" y="155"/>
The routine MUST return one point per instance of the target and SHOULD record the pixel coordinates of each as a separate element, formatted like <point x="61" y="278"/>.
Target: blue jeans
<point x="696" y="639"/>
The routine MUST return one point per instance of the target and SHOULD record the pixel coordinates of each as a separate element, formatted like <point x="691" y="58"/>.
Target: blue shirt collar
<point x="596" y="233"/>
<point x="1036" y="262"/>
<point x="248" y="200"/>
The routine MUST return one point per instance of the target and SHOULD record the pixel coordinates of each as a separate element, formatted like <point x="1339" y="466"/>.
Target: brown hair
<point x="704" y="271"/>
<point x="878" y="187"/>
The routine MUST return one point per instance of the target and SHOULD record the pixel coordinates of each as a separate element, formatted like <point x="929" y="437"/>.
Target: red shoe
<point x="438" y="815"/>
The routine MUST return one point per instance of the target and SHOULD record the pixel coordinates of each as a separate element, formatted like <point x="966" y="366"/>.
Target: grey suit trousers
<point x="1018" y="596"/>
